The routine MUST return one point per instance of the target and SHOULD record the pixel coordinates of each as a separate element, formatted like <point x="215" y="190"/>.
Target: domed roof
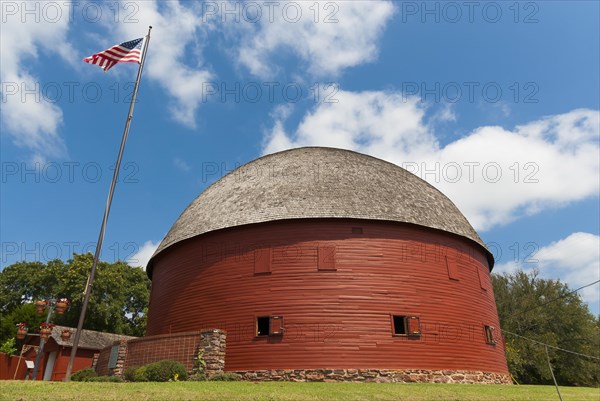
<point x="317" y="182"/>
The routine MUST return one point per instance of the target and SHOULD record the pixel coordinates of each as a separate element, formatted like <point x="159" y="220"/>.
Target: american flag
<point x="127" y="52"/>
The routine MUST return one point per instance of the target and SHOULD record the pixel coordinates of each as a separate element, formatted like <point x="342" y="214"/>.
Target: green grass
<point x="272" y="391"/>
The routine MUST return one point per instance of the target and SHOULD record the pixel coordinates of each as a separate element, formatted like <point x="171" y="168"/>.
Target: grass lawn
<point x="275" y="391"/>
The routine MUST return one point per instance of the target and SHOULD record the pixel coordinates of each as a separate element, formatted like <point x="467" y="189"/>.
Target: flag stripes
<point x="126" y="52"/>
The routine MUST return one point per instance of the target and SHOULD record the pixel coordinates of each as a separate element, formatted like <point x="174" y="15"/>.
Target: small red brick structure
<point x="326" y="264"/>
<point x="57" y="351"/>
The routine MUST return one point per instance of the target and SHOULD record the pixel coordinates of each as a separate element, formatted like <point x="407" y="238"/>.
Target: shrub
<point x="129" y="373"/>
<point x="140" y="374"/>
<point x="163" y="371"/>
<point x="226" y="377"/>
<point x="107" y="379"/>
<point x="83" y="374"/>
<point x="197" y="377"/>
<point x="135" y="374"/>
<point x="199" y="364"/>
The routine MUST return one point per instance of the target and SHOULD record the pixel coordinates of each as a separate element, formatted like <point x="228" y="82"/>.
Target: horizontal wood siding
<point x="336" y="319"/>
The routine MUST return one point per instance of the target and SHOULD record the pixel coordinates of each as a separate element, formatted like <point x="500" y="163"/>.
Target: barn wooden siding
<point x="336" y="283"/>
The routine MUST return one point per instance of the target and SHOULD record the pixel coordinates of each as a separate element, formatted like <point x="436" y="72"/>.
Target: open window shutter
<point x="452" y="267"/>
<point x="490" y="335"/>
<point x="262" y="261"/>
<point x="276" y="326"/>
<point x="326" y="257"/>
<point x="413" y="324"/>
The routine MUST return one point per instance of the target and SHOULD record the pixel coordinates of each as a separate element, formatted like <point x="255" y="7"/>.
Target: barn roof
<point x="89" y="339"/>
<point x="318" y="182"/>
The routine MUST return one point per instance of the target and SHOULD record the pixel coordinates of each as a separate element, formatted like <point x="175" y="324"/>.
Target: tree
<point x="24" y="281"/>
<point x="549" y="312"/>
<point x="118" y="303"/>
<point x="21" y="314"/>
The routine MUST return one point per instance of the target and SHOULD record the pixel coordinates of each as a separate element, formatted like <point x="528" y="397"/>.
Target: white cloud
<point x="143" y="255"/>
<point x="445" y="113"/>
<point x="494" y="175"/>
<point x="377" y="123"/>
<point x="181" y="164"/>
<point x="174" y="57"/>
<point x="327" y="36"/>
<point x="30" y="120"/>
<point x="574" y="259"/>
<point x="181" y="30"/>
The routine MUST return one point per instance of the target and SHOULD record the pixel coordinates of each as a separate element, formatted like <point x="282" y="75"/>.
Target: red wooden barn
<point x="324" y="263"/>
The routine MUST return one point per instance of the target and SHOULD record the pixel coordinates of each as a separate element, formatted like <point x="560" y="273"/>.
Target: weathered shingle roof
<point x="316" y="182"/>
<point x="89" y="339"/>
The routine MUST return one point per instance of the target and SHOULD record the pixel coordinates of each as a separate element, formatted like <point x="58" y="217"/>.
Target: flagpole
<point x="88" y="287"/>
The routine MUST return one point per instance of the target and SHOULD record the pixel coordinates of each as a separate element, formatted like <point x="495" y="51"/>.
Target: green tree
<point x="21" y="314"/>
<point x="547" y="311"/>
<point x="118" y="303"/>
<point x="22" y="282"/>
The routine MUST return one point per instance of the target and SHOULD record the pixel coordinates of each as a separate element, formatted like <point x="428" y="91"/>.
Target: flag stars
<point x="133" y="43"/>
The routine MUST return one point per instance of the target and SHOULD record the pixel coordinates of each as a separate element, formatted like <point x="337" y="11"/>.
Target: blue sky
<point x="495" y="103"/>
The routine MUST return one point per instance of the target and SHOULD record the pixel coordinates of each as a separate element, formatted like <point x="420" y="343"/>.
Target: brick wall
<point x="181" y="347"/>
<point x="102" y="361"/>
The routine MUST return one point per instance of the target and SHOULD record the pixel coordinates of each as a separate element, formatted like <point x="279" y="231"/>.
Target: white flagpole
<point x="88" y="287"/>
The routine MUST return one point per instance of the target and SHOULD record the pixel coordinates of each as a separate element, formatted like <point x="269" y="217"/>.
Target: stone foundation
<point x="377" y="375"/>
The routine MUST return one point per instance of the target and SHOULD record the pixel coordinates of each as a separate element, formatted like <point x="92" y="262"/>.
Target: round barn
<point x="327" y="264"/>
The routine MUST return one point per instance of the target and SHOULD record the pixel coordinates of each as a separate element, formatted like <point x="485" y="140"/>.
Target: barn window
<point x="406" y="325"/>
<point x="262" y="261"/>
<point x="452" y="268"/>
<point x="262" y="326"/>
<point x="269" y="326"/>
<point x="482" y="278"/>
<point x="490" y="336"/>
<point x="326" y="257"/>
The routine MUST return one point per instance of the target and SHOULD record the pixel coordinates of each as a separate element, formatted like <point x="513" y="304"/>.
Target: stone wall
<point x="213" y="342"/>
<point x="122" y="355"/>
<point x="95" y="360"/>
<point x="375" y="375"/>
